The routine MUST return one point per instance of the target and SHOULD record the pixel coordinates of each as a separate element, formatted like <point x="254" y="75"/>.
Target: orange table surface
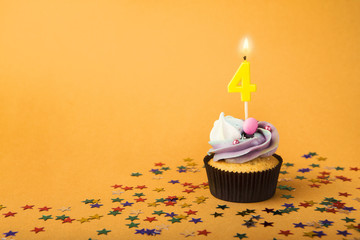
<point x="91" y="92"/>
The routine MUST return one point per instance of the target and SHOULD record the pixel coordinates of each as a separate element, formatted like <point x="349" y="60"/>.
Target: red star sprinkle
<point x="169" y="203"/>
<point x="325" y="181"/>
<point x="44" y="209"/>
<point x="28" y="207"/>
<point x="68" y="220"/>
<point x="160" y="164"/>
<point x="194" y="186"/>
<point x="188" y="190"/>
<point x="354" y="168"/>
<point x="116" y="186"/>
<point x="205" y="184"/>
<point x="322" y="177"/>
<point x="186" y="184"/>
<point x="172" y="197"/>
<point x="343" y="178"/>
<point x="150" y="219"/>
<point x="203" y="232"/>
<point x="305" y="205"/>
<point x="36" y="230"/>
<point x="119" y="209"/>
<point x="333" y="210"/>
<point x="126" y="188"/>
<point x="191" y="212"/>
<point x="345" y="194"/>
<point x="324" y="173"/>
<point x="141" y="187"/>
<point x="286" y="233"/>
<point x="12" y="214"/>
<point x="338" y="205"/>
<point x="140" y="199"/>
<point x="314" y="185"/>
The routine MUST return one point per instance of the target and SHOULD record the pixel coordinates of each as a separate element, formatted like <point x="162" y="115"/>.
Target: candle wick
<point x="244" y="58"/>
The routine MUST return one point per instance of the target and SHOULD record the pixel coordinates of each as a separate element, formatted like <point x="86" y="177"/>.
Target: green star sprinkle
<point x="285" y="187"/>
<point x="114" y="213"/>
<point x="288" y="164"/>
<point x="174" y="220"/>
<point x="165" y="168"/>
<point x="160" y="200"/>
<point x="320" y="209"/>
<point x="132" y="218"/>
<point x="87" y="201"/>
<point x="44" y="217"/>
<point x="348" y="219"/>
<point x="286" y="196"/>
<point x="138" y="194"/>
<point x="132" y="224"/>
<point x="62" y="217"/>
<point x="116" y="199"/>
<point x="314" y="165"/>
<point x="137" y="174"/>
<point x="159" y="212"/>
<point x="240" y="236"/>
<point x="339" y="168"/>
<point x="284" y="172"/>
<point x="300" y="177"/>
<point x="104" y="231"/>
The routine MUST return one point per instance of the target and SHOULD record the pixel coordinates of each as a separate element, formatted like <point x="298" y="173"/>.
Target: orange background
<point x="91" y="91"/>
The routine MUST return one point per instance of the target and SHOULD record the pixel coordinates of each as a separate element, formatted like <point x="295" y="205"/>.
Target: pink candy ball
<point x="250" y="126"/>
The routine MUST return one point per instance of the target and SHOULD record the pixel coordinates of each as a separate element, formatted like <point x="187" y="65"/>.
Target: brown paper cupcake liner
<point x="242" y="187"/>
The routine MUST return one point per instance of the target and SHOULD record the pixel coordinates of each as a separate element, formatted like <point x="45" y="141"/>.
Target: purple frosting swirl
<point x="263" y="144"/>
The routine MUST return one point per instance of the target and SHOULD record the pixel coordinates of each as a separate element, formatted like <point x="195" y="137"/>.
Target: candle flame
<point x="246" y="44"/>
<point x="244" y="48"/>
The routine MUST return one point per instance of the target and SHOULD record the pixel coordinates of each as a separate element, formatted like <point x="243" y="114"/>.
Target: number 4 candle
<point x="243" y="75"/>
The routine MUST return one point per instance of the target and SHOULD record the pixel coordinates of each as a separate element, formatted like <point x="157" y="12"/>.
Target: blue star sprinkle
<point x="174" y="181"/>
<point x="195" y="220"/>
<point x="304" y="170"/>
<point x="299" y="225"/>
<point x="127" y="204"/>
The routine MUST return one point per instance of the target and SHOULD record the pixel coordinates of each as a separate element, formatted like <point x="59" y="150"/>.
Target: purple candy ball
<point x="250" y="126"/>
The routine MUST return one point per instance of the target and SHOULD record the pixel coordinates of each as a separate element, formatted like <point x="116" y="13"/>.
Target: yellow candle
<point x="242" y="75"/>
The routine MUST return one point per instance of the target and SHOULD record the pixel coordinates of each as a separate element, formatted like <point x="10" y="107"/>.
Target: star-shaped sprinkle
<point x="339" y="168"/>
<point x="25" y="207"/>
<point x="125" y="204"/>
<point x="132" y="224"/>
<point x="37" y="230"/>
<point x="96" y="216"/>
<point x="185" y="205"/>
<point x="140" y="187"/>
<point x="286" y="196"/>
<point x="174" y="181"/>
<point x="62" y="217"/>
<point x="240" y="236"/>
<point x="306" y="156"/>
<point x="114" y="213"/>
<point x="320" y="209"/>
<point x="159" y="190"/>
<point x="191" y="212"/>
<point x="288" y="164"/>
<point x="249" y="223"/>
<point x="103" y="231"/>
<point x="267" y="224"/>
<point x="319" y="233"/>
<point x="310" y="234"/>
<point x="68" y="220"/>
<point x="286" y="233"/>
<point x="136" y="174"/>
<point x="321" y="158"/>
<point x="344" y="233"/>
<point x="115" y="186"/>
<point x="158" y="212"/>
<point x="348" y="219"/>
<point x="83" y="220"/>
<point x="150" y="219"/>
<point x="223" y="207"/>
<point x="304" y="170"/>
<point x="203" y="232"/>
<point x="10" y="233"/>
<point x="268" y="210"/>
<point x="2" y="207"/>
<point x="44" y="209"/>
<point x="195" y="220"/>
<point x="132" y="218"/>
<point x="326" y="223"/>
<point x="116" y="199"/>
<point x="175" y="220"/>
<point x="215" y="214"/>
<point x="10" y="214"/>
<point x="188" y="233"/>
<point x="299" y="225"/>
<point x="45" y="218"/>
<point x="96" y="205"/>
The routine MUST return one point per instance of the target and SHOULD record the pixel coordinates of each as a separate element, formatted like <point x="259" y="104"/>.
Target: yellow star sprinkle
<point x="184" y="205"/>
<point x="159" y="189"/>
<point x="82" y="220"/>
<point x="188" y="159"/>
<point x="96" y="216"/>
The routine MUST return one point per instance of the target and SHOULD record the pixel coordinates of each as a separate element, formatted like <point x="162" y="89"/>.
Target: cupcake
<point x="242" y="165"/>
